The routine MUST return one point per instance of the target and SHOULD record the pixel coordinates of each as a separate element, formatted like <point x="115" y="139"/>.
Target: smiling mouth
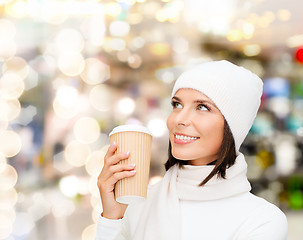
<point x="183" y="139"/>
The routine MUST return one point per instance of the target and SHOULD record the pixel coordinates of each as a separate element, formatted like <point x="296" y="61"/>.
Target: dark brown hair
<point x="226" y="157"/>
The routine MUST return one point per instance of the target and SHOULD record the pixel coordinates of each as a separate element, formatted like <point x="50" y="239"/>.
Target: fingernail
<point x="114" y="144"/>
<point x="133" y="171"/>
<point x="132" y="165"/>
<point x="126" y="153"/>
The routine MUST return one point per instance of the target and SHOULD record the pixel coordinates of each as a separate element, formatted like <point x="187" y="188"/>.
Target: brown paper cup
<point x="137" y="140"/>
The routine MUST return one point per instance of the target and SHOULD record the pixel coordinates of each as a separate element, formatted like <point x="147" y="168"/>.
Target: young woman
<point x="205" y="193"/>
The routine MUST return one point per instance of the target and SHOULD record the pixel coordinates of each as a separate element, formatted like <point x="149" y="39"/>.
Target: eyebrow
<point x="197" y="101"/>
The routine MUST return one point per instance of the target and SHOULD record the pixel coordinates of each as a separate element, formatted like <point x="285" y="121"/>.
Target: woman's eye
<point x="176" y="105"/>
<point x="202" y="107"/>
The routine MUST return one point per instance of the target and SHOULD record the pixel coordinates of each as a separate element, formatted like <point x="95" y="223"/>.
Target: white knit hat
<point x="235" y="90"/>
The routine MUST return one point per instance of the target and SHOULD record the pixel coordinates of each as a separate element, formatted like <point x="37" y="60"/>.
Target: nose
<point x="183" y="118"/>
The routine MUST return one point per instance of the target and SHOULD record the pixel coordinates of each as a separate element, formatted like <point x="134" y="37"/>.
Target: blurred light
<point x="7" y="49"/>
<point x="16" y="65"/>
<point x="6" y="227"/>
<point x="86" y="130"/>
<point x="17" y="9"/>
<point x="8" y="178"/>
<point x="69" y="40"/>
<point x="295" y="41"/>
<point x="63" y="208"/>
<point x="93" y="187"/>
<point x="3" y="162"/>
<point x="95" y="161"/>
<point x="89" y="232"/>
<point x="252" y="50"/>
<point x="65" y="111"/>
<point x="119" y="28"/>
<point x="134" y="18"/>
<point x="3" y="121"/>
<point x="71" y="63"/>
<point x="100" y="98"/>
<point x="126" y="106"/>
<point x="116" y="44"/>
<point x="248" y="30"/>
<point x="280" y="106"/>
<point x="76" y="153"/>
<point x="95" y="71"/>
<point x="95" y="29"/>
<point x="286" y="152"/>
<point x="153" y="180"/>
<point x="11" y="85"/>
<point x="283" y="15"/>
<point x="4" y="2"/>
<point x="27" y="115"/>
<point x="69" y="186"/>
<point x="23" y="225"/>
<point x="234" y="35"/>
<point x="180" y="45"/>
<point x="166" y="76"/>
<point x="159" y="49"/>
<point x="112" y="9"/>
<point x="123" y="55"/>
<point x="31" y="80"/>
<point x="8" y="197"/>
<point x="10" y="143"/>
<point x="67" y="96"/>
<point x="137" y="42"/>
<point x="276" y="87"/>
<point x="157" y="127"/>
<point x="299" y="55"/>
<point x="269" y="16"/>
<point x="41" y="206"/>
<point x="134" y="61"/>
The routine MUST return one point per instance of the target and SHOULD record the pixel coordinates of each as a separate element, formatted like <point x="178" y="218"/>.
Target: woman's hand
<point x="110" y="174"/>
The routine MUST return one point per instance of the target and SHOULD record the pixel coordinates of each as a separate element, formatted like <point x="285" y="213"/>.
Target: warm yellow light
<point x="71" y="63"/>
<point x="11" y="86"/>
<point x="17" y="9"/>
<point x="234" y="35"/>
<point x="8" y="178"/>
<point x="248" y="30"/>
<point x="67" y="96"/>
<point x="252" y="50"/>
<point x="76" y="153"/>
<point x="86" y="130"/>
<point x="160" y="49"/>
<point x="7" y="29"/>
<point x="95" y="71"/>
<point x="112" y="9"/>
<point x="284" y="15"/>
<point x="10" y="143"/>
<point x="269" y="16"/>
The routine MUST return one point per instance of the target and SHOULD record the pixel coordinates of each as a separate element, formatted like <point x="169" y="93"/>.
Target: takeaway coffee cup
<point x="137" y="140"/>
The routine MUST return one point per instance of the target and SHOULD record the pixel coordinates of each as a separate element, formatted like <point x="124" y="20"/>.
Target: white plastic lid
<point x="130" y="128"/>
<point x="130" y="199"/>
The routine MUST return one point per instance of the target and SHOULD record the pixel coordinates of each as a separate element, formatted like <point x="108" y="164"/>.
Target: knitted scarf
<point x="160" y="218"/>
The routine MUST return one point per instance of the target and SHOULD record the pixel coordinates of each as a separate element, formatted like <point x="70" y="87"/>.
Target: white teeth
<point x="182" y="137"/>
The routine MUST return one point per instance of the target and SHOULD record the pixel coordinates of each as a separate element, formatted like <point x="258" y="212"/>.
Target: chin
<point x="181" y="156"/>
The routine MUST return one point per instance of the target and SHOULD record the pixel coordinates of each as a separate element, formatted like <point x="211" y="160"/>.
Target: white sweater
<point x="242" y="216"/>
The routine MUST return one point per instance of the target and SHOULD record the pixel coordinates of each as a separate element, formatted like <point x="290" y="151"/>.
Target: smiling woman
<point x="205" y="193"/>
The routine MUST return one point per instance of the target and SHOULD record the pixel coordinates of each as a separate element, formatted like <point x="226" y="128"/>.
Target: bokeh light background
<point x="72" y="70"/>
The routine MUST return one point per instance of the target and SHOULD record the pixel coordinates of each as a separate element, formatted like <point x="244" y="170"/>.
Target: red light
<point x="299" y="55"/>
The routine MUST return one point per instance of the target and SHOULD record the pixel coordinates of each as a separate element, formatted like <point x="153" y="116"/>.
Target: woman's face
<point x="196" y="127"/>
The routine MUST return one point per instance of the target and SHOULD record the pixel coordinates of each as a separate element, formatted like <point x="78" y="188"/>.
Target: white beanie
<point x="235" y="90"/>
